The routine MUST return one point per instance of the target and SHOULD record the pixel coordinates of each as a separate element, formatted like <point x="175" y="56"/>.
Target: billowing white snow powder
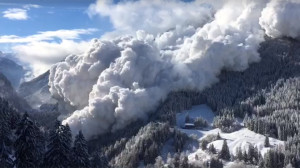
<point x="118" y="81"/>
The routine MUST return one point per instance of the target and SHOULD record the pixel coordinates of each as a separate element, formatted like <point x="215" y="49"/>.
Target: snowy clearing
<point x="196" y="111"/>
<point x="241" y="138"/>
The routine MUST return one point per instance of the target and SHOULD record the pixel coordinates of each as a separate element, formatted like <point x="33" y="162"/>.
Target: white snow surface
<point x="241" y="138"/>
<point x="196" y="111"/>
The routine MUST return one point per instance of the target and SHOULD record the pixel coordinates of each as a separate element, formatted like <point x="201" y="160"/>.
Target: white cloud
<point x="19" y="13"/>
<point x="28" y="6"/>
<point x="151" y="16"/>
<point x="42" y="55"/>
<point x="40" y="51"/>
<point x="15" y="14"/>
<point x="47" y="36"/>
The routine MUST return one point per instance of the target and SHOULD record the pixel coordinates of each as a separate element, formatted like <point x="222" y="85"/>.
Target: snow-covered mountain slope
<point x="13" y="71"/>
<point x="7" y="92"/>
<point x="240" y="138"/>
<point x="36" y="92"/>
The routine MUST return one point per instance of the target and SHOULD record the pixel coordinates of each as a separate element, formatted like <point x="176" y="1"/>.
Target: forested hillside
<point x="266" y="96"/>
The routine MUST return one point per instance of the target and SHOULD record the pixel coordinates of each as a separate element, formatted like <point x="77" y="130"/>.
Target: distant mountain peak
<point x="11" y="70"/>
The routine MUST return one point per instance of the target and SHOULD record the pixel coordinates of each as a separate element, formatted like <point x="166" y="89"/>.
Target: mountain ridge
<point x="36" y="91"/>
<point x="7" y="92"/>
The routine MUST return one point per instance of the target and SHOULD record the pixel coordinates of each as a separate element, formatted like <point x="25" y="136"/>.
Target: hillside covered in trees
<point x="265" y="97"/>
<point x="150" y="84"/>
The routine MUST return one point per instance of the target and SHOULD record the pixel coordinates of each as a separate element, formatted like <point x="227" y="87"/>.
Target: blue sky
<point x="51" y="15"/>
<point x="40" y="33"/>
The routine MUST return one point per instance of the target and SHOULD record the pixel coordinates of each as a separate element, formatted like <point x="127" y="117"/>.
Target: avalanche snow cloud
<point x="183" y="45"/>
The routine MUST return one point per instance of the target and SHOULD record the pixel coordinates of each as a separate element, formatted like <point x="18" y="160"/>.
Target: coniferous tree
<point x="215" y="163"/>
<point x="212" y="149"/>
<point x="224" y="153"/>
<point x="59" y="149"/>
<point x="5" y="131"/>
<point x="256" y="155"/>
<point x="151" y="153"/>
<point x="187" y="118"/>
<point x="267" y="142"/>
<point x="218" y="135"/>
<point x="196" y="157"/>
<point x="159" y="163"/>
<point x="245" y="156"/>
<point x="184" y="162"/>
<point x="176" y="160"/>
<point x="226" y="122"/>
<point x="246" y="118"/>
<point x="67" y="138"/>
<point x="169" y="159"/>
<point x="261" y="163"/>
<point x="204" y="144"/>
<point x="269" y="160"/>
<point x="239" y="154"/>
<point x="5" y="137"/>
<point x="274" y="159"/>
<point x="26" y="147"/>
<point x="5" y="160"/>
<point x="200" y="122"/>
<point x="179" y="140"/>
<point x="80" y="152"/>
<point x="99" y="161"/>
<point x="251" y="154"/>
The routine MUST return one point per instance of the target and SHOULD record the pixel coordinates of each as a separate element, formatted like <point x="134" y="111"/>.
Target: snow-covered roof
<point x="189" y="124"/>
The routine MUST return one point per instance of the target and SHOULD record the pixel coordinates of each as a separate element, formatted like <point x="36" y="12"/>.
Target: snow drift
<point x="118" y="81"/>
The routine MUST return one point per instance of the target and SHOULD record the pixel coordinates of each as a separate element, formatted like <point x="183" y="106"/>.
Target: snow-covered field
<point x="196" y="111"/>
<point x="241" y="138"/>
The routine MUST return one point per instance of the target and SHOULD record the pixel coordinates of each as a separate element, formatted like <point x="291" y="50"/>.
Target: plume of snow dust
<point x="119" y="81"/>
